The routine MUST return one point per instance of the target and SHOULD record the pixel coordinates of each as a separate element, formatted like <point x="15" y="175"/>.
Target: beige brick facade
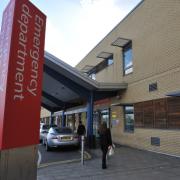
<point x="141" y="138"/>
<point x="154" y="28"/>
<point x="44" y="113"/>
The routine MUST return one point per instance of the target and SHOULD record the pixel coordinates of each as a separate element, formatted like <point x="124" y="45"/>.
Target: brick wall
<point x="141" y="138"/>
<point x="154" y="28"/>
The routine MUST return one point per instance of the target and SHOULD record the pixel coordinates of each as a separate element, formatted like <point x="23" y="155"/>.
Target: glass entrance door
<point x="98" y="117"/>
<point x="105" y="116"/>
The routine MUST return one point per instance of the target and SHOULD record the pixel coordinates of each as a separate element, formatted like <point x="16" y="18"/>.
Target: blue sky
<point x="74" y="27"/>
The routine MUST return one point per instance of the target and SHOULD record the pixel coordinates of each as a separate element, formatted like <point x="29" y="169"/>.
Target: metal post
<point x="82" y="150"/>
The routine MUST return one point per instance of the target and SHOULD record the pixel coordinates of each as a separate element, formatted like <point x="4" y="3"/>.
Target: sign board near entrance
<point x="21" y="68"/>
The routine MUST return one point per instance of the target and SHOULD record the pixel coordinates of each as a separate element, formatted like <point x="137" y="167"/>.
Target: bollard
<point x="82" y="150"/>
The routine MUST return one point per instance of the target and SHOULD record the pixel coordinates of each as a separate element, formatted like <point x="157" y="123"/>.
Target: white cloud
<point x="75" y="27"/>
<point x="58" y="44"/>
<point x="85" y="3"/>
<point x="54" y="37"/>
<point x="97" y="18"/>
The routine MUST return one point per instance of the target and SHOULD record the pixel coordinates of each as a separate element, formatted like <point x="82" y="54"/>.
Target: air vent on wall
<point x="155" y="141"/>
<point x="153" y="87"/>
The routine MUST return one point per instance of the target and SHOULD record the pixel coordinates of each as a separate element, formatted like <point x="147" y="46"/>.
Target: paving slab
<point x="126" y="164"/>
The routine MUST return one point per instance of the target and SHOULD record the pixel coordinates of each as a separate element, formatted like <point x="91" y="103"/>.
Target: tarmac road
<point x="57" y="155"/>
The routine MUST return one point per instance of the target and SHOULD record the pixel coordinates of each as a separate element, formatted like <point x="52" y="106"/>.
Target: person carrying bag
<point x="105" y="142"/>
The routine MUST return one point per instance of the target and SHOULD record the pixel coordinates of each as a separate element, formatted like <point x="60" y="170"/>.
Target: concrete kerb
<point x="87" y="156"/>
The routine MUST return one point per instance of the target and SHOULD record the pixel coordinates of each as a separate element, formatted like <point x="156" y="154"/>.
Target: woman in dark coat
<point x="105" y="142"/>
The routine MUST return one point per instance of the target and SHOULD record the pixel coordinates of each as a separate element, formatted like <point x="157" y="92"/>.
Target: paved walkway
<point x="126" y="164"/>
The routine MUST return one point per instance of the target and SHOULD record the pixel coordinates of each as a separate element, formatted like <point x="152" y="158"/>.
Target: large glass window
<point x="161" y="113"/>
<point x="127" y="59"/>
<point x="129" y="118"/>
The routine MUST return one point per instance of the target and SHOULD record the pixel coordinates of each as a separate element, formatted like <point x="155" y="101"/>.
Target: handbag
<point x="111" y="150"/>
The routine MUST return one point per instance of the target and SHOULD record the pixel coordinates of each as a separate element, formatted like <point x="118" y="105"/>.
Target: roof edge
<point x="100" y="86"/>
<point x="111" y="86"/>
<point x="71" y="69"/>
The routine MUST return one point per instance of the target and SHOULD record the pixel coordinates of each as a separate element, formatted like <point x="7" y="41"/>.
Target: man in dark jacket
<point x="81" y="129"/>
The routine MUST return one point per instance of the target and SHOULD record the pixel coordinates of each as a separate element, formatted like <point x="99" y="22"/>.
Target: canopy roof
<point x="65" y="86"/>
<point x="174" y="94"/>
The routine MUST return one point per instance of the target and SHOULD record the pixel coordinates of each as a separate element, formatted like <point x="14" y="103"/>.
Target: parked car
<point x="44" y="128"/>
<point x="63" y="136"/>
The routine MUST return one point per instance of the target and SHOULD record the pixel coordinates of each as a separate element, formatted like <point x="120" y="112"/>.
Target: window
<point x="110" y="61"/>
<point x="129" y="118"/>
<point x="161" y="113"/>
<point x="127" y="59"/>
<point x="93" y="76"/>
<point x="99" y="67"/>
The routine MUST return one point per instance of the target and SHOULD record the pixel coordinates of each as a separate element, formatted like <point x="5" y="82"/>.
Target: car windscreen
<point x="63" y="130"/>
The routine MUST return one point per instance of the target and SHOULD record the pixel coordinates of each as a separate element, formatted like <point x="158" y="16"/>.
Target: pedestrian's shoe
<point x="104" y="167"/>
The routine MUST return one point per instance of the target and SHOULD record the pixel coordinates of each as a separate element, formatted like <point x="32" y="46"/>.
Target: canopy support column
<point x="90" y="136"/>
<point x="63" y="119"/>
<point x="51" y="119"/>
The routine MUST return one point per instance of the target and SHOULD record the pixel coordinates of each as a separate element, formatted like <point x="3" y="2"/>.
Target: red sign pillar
<point x="21" y="69"/>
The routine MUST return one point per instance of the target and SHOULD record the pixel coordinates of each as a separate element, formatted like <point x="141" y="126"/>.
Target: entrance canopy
<point x="174" y="94"/>
<point x="65" y="87"/>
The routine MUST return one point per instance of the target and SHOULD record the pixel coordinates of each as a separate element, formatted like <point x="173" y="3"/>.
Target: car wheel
<point x="48" y="148"/>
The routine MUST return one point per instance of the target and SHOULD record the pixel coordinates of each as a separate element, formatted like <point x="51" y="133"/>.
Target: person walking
<point x="105" y="142"/>
<point x="81" y="129"/>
